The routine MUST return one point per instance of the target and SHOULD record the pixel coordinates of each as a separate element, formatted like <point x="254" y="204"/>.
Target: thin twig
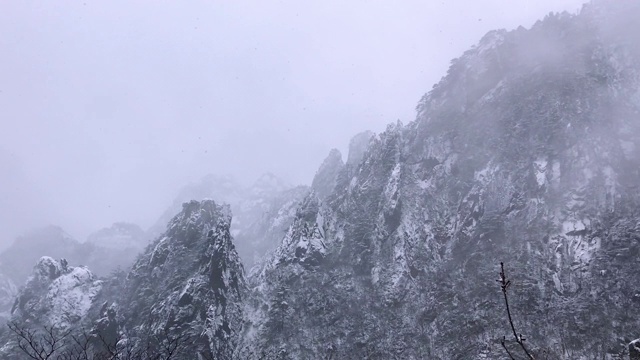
<point x="504" y="284"/>
<point x="504" y="345"/>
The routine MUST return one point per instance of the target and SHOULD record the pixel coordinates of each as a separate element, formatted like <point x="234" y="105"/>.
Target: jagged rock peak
<point x="325" y="179"/>
<point x="202" y="214"/>
<point x="56" y="294"/>
<point x="190" y="282"/>
<point x="358" y="146"/>
<point x="48" y="268"/>
<point x="527" y="153"/>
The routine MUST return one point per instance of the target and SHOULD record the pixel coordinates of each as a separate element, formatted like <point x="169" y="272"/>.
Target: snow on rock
<point x="541" y="171"/>
<point x="515" y="156"/>
<point x="190" y="282"/>
<point x="71" y="295"/>
<point x="634" y="350"/>
<point x="56" y="294"/>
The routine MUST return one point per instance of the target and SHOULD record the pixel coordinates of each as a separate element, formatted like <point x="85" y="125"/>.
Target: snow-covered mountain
<point x="56" y="294"/>
<point x="105" y="251"/>
<point x="16" y="261"/>
<point x="527" y="152"/>
<point x="190" y="282"/>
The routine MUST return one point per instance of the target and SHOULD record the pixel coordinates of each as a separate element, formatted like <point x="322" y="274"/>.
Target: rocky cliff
<point x="526" y="152"/>
<point x="190" y="282"/>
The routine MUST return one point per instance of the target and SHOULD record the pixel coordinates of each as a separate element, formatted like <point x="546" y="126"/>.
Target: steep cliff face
<point x="186" y="289"/>
<point x="527" y="153"/>
<point x="190" y="282"/>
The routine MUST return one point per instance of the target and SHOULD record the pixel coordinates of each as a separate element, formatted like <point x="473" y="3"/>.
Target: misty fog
<point x="109" y="108"/>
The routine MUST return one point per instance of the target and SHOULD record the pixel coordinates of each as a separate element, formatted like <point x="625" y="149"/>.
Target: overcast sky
<point x="108" y="107"/>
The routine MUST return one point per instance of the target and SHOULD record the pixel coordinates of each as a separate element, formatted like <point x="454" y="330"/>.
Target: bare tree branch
<point x="519" y="338"/>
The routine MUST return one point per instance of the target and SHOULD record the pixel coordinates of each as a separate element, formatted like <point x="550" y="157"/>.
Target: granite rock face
<point x="527" y="153"/>
<point x="189" y="285"/>
<point x="190" y="282"/>
<point x="56" y="294"/>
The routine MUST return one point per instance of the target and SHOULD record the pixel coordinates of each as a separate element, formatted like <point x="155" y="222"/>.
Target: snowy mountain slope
<point x="56" y="294"/>
<point x="188" y="285"/>
<point x="527" y="153"/>
<point x="189" y="282"/>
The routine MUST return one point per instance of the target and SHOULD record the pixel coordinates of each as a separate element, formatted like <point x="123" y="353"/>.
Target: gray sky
<point x="108" y="107"/>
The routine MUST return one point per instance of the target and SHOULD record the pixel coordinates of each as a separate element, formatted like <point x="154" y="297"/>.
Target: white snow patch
<point x="575" y="225"/>
<point x="353" y="182"/>
<point x="70" y="296"/>
<point x="583" y="250"/>
<point x="425" y="184"/>
<point x="392" y="186"/>
<point x="541" y="171"/>
<point x="482" y="174"/>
